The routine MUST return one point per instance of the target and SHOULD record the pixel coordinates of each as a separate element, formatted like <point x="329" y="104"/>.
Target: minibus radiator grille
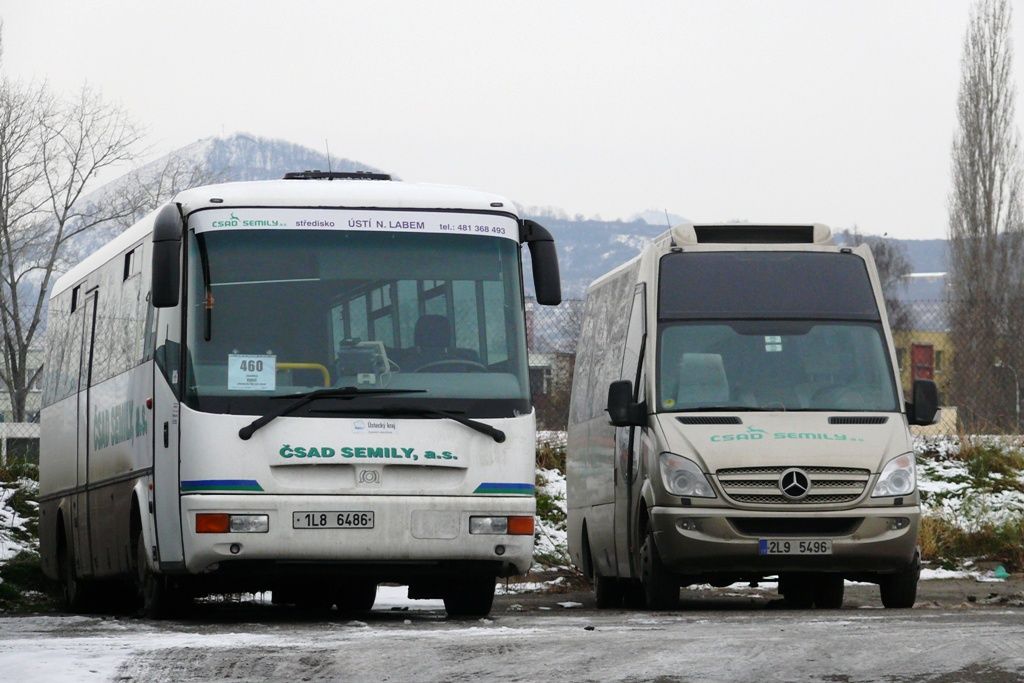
<point x="760" y="485"/>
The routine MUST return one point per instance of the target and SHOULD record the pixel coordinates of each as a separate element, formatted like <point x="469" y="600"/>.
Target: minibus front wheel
<point x="899" y="590"/>
<point x="661" y="587"/>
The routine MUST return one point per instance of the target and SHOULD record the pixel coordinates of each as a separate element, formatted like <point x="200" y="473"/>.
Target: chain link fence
<point x="19" y="443"/>
<point x="978" y="375"/>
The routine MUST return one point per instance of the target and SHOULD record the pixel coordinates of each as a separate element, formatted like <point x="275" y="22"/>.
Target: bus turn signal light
<point x="212" y="523"/>
<point x="520" y="526"/>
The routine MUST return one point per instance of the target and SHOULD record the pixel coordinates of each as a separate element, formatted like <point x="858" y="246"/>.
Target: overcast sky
<point x="839" y="112"/>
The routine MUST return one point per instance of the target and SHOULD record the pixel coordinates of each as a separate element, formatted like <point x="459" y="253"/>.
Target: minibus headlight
<point x="898" y="477"/>
<point x="683" y="477"/>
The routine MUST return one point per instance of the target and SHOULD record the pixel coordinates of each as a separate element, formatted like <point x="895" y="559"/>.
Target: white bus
<point x="736" y="413"/>
<point x="310" y="385"/>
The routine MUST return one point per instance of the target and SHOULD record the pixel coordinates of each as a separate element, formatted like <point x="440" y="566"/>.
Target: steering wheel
<point x="470" y="365"/>
<point x="839" y="395"/>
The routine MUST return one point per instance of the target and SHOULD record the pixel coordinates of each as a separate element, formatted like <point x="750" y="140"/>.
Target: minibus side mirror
<point x="924" y="410"/>
<point x="623" y="411"/>
<point x="167" y="257"/>
<point x="546" y="282"/>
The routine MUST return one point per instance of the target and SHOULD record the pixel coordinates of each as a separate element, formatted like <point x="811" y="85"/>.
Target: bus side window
<point x="168" y="359"/>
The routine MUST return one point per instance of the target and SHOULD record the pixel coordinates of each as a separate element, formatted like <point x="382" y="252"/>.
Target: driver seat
<point x="434" y="340"/>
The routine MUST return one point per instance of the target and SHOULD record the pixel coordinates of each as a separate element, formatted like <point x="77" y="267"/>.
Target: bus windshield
<point x="282" y="312"/>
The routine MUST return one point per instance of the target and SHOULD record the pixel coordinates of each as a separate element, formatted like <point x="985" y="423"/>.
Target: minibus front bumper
<point x="409" y="531"/>
<point x="706" y="541"/>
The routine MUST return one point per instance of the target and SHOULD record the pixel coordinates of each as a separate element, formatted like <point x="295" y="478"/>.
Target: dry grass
<point x="944" y="542"/>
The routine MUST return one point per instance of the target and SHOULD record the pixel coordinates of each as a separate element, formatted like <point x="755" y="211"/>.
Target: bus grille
<point x="760" y="485"/>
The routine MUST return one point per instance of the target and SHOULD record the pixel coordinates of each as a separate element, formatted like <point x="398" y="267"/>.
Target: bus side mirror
<point x="546" y="282"/>
<point x="623" y="411"/>
<point x="167" y="231"/>
<point x="923" y="411"/>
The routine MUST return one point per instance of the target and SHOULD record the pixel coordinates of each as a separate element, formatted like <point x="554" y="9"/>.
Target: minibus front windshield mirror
<point x="246" y="432"/>
<point x="482" y="427"/>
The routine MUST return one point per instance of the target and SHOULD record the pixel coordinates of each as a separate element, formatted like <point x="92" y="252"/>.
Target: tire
<point x="828" y="591"/>
<point x="608" y="592"/>
<point x="798" y="590"/>
<point x="899" y="591"/>
<point x="73" y="589"/>
<point x="156" y="597"/>
<point x="471" y="598"/>
<point x="633" y="594"/>
<point x="357" y="597"/>
<point x="660" y="586"/>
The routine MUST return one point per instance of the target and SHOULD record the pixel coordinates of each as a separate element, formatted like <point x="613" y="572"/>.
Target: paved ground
<point x="960" y="631"/>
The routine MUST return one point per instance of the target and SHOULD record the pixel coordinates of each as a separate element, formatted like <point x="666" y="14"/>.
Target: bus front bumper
<point x="421" y="530"/>
<point x="701" y="542"/>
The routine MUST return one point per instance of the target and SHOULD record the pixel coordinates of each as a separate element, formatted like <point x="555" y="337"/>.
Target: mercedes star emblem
<point x="794" y="483"/>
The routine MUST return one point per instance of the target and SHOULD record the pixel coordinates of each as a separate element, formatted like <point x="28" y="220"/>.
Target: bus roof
<point x="337" y="193"/>
<point x="378" y="194"/>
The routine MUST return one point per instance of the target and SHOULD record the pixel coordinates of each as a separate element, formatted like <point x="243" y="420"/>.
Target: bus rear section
<point x="755" y="425"/>
<point x="339" y="396"/>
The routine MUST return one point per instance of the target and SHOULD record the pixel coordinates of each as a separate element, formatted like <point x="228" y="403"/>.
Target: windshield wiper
<point x="722" y="409"/>
<point x="246" y="432"/>
<point x="482" y="427"/>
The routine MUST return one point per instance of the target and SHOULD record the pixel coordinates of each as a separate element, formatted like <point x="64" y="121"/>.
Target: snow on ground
<point x="10" y="521"/>
<point x="950" y="492"/>
<point x="550" y="538"/>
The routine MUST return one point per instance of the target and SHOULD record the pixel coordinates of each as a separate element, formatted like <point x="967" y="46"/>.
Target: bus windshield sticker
<point x="252" y="373"/>
<point x="361" y="220"/>
<point x="772" y="343"/>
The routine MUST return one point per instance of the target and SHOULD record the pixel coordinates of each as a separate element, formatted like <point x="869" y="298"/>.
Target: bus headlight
<point x="683" y="477"/>
<point x="898" y="477"/>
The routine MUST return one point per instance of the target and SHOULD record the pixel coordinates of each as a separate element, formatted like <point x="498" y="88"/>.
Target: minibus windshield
<point x="282" y="312"/>
<point x="774" y="365"/>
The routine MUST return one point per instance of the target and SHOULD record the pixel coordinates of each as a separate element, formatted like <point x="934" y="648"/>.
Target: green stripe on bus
<point x="221" y="485"/>
<point x="505" y="487"/>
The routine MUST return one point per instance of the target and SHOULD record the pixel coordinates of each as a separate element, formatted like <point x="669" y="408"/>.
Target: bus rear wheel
<point x="470" y="598"/>
<point x="72" y="589"/>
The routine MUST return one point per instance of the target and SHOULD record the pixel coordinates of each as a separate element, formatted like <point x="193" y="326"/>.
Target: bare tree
<point x="985" y="214"/>
<point x="892" y="264"/>
<point x="50" y="151"/>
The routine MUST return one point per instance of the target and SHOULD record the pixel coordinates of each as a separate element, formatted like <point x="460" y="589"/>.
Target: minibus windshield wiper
<point x="722" y="409"/>
<point x="482" y="427"/>
<point x="246" y="432"/>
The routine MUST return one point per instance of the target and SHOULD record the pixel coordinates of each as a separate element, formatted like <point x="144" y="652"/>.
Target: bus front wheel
<point x="471" y="598"/>
<point x="154" y="592"/>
